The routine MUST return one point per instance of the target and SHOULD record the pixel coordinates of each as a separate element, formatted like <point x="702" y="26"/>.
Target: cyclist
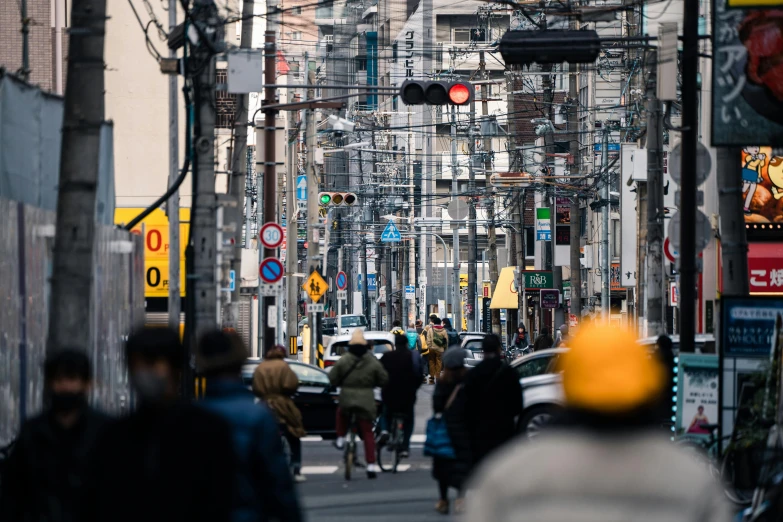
<point x="397" y="328"/>
<point x="357" y="373"/>
<point x="399" y="395"/>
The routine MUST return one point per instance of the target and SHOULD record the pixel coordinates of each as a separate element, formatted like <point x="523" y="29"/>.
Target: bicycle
<point x="395" y="443"/>
<point x="349" y="452"/>
<point x="721" y="468"/>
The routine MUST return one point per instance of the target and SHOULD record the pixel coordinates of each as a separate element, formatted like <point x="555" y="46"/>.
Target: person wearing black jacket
<point x="544" y="340"/>
<point x="451" y="332"/>
<point x="45" y="474"/>
<point x="170" y="460"/>
<point x="493" y="400"/>
<point x="404" y="367"/>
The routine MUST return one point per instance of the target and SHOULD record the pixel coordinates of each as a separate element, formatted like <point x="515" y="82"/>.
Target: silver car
<point x="381" y="342"/>
<point x="542" y="389"/>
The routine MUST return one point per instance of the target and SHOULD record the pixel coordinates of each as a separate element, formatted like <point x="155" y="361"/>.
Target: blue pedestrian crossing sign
<point x="301" y="188"/>
<point x="391" y="234"/>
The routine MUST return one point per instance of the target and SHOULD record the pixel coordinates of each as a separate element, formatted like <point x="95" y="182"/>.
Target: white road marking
<point x="318" y="470"/>
<point x="403" y="467"/>
<point x="312" y="438"/>
<point x="418" y="438"/>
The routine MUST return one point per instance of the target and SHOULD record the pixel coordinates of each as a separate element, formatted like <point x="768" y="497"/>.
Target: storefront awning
<point x="505" y="296"/>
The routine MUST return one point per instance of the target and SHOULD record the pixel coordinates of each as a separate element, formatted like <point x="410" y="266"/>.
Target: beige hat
<point x="357" y="339"/>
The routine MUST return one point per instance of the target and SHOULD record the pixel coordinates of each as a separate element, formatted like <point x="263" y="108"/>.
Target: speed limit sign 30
<point x="271" y="235"/>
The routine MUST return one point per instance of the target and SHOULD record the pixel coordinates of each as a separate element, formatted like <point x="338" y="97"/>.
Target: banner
<point x="697" y="393"/>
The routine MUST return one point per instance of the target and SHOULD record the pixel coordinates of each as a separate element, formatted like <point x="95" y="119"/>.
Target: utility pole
<point x="74" y="241"/>
<point x="270" y="170"/>
<point x="457" y="302"/>
<point x="411" y="279"/>
<point x="733" y="240"/>
<point x="172" y="205"/>
<point x="291" y="245"/>
<point x="655" y="211"/>
<point x="472" y="246"/>
<point x="236" y="182"/>
<point x="575" y="229"/>
<point x="493" y="246"/>
<point x="549" y="138"/>
<point x="605" y="268"/>
<point x="365" y="284"/>
<point x="313" y="221"/>
<point x="25" y="70"/>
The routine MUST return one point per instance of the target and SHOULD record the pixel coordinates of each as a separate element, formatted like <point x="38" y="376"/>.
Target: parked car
<point x="329" y="326"/>
<point x="382" y="342"/>
<point x="542" y="389"/>
<point x="474" y="354"/>
<point x="462" y="335"/>
<point x="349" y="323"/>
<point x="315" y="397"/>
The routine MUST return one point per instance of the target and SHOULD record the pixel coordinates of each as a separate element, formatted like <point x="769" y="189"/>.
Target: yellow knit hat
<point x="607" y="371"/>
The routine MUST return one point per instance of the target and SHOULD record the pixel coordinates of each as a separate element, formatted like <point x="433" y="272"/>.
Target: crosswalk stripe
<point x="318" y="470"/>
<point x="312" y="438"/>
<point x="403" y="467"/>
<point x="418" y="438"/>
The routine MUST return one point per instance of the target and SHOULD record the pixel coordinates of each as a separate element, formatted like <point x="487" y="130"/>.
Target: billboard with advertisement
<point x="762" y="187"/>
<point x="747" y="100"/>
<point x="697" y="395"/>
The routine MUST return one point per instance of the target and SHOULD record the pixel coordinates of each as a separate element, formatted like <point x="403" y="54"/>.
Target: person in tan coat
<point x="275" y="382"/>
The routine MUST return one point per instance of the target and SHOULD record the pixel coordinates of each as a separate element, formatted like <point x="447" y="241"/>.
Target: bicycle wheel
<point x="739" y="496"/>
<point x="379" y="451"/>
<point x="350" y="457"/>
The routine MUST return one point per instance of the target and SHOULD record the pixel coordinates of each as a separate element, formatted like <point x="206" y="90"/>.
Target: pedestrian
<point x="561" y="336"/>
<point x="665" y="354"/>
<point x="448" y="400"/>
<point x="275" y="382"/>
<point x="357" y="374"/>
<point x="519" y="340"/>
<point x="544" y="340"/>
<point x="403" y="366"/>
<point x="265" y="488"/>
<point x="424" y="350"/>
<point x="437" y="341"/>
<point x="414" y="340"/>
<point x="606" y="459"/>
<point x="450" y="332"/>
<point x="45" y="475"/>
<point x="169" y="460"/>
<point x="397" y="327"/>
<point x="493" y="400"/>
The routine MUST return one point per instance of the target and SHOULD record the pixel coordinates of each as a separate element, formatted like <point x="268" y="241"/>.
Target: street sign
<point x="271" y="270"/>
<point x="313" y="308"/>
<point x="703" y="164"/>
<point x="669" y="251"/>
<point x="371" y="286"/>
<point x="391" y="234"/>
<point x="232" y="280"/>
<point x="341" y="280"/>
<point x="458" y="209"/>
<point x="268" y="289"/>
<point x="271" y="235"/>
<point x="342" y="295"/>
<point x="550" y="298"/>
<point x="410" y="292"/>
<point x="301" y="188"/>
<point x="315" y="286"/>
<point x="703" y="231"/>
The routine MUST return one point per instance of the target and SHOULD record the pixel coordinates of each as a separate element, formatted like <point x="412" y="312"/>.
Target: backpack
<point x="425" y="350"/>
<point x="412" y="336"/>
<point x="440" y="341"/>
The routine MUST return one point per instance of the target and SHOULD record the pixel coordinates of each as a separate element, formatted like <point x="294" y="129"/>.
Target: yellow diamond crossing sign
<point x="315" y="286"/>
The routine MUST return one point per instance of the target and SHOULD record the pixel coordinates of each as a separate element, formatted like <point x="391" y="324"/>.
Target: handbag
<point x="438" y="442"/>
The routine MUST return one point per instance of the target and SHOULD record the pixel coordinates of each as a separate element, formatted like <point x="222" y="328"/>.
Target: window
<point x="309" y="376"/>
<point x="615" y="239"/>
<point x="461" y="35"/>
<point x="394" y="52"/>
<point x="536" y="366"/>
<point x="473" y="346"/>
<point x="296" y="10"/>
<point x="323" y="12"/>
<point x="530" y="241"/>
<point x="352" y="321"/>
<point x="296" y="35"/>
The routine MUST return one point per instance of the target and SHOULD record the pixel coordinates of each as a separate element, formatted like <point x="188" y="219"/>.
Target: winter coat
<point x="170" y="465"/>
<point x="514" y="342"/>
<point x="437" y="338"/>
<point x="583" y="476"/>
<point x="411" y="334"/>
<point x="46" y="475"/>
<point x="453" y="471"/>
<point x="543" y="342"/>
<point x="399" y="394"/>
<point x="493" y="400"/>
<point x="453" y="337"/>
<point x="275" y="382"/>
<point x="264" y="488"/>
<point x="356" y="387"/>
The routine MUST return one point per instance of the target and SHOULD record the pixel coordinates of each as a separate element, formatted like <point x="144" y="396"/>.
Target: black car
<point x="315" y="397"/>
<point x="329" y="326"/>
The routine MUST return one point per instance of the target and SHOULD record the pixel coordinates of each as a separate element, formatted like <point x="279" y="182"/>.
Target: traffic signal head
<point x="336" y="199"/>
<point x="415" y="92"/>
<point x="550" y="46"/>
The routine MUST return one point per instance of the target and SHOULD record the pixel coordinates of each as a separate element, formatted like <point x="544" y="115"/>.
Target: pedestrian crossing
<point x="330" y="470"/>
<point x="415" y="439"/>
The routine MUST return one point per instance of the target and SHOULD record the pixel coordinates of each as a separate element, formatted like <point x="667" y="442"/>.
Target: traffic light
<point x="550" y="46"/>
<point x="415" y="92"/>
<point x="337" y="199"/>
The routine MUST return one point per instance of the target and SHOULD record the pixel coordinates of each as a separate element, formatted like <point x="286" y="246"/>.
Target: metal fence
<point x="26" y="241"/>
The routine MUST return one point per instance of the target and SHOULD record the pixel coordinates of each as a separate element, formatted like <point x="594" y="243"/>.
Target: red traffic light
<point x="459" y="94"/>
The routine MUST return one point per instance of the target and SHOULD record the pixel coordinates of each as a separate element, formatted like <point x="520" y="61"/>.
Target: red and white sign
<point x="765" y="267"/>
<point x="271" y="235"/>
<point x="669" y="251"/>
<point x="573" y="320"/>
<point x="674" y="294"/>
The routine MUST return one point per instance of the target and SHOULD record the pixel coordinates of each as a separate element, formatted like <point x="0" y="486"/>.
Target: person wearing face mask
<point x="45" y="474"/>
<point x="170" y="460"/>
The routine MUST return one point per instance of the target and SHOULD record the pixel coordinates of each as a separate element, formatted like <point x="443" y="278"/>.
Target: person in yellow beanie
<point x="605" y="459"/>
